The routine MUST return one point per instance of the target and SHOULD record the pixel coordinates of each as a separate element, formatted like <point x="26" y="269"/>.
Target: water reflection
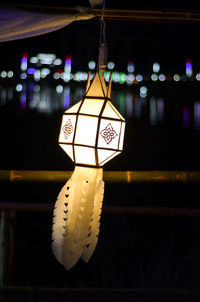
<point x="156" y="112"/>
<point x="160" y="109"/>
<point x="129" y="104"/>
<point x="186" y="117"/>
<point x="6" y="95"/>
<point x="197" y="115"/>
<point x="138" y="104"/>
<point x="66" y="97"/>
<point x="138" y="107"/>
<point x="153" y="111"/>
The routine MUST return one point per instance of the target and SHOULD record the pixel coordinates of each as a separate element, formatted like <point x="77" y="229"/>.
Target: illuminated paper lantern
<point x="92" y="133"/>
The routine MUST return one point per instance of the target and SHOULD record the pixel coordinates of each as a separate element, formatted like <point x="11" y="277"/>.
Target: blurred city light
<point x="130" y="79"/>
<point x="177" y="78"/>
<point x="23" y="75"/>
<point x="131" y="66"/>
<point x="107" y="76"/>
<point x="139" y="78"/>
<point x="57" y="61"/>
<point x="59" y="89"/>
<point x="115" y="77"/>
<point x="154" y="77"/>
<point x="91" y="65"/>
<point x="111" y="65"/>
<point x="24" y="61"/>
<point x="10" y="74"/>
<point x="143" y="92"/>
<point x="36" y="75"/>
<point x="19" y="87"/>
<point x="188" y="67"/>
<point x="156" y="67"/>
<point x="46" y="58"/>
<point x="56" y="75"/>
<point x="198" y="77"/>
<point x="31" y="70"/>
<point x="162" y="77"/>
<point x="34" y="60"/>
<point x="3" y="74"/>
<point x="122" y="78"/>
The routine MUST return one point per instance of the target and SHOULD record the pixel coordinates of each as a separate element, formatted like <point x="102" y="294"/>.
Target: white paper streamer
<point x="76" y="216"/>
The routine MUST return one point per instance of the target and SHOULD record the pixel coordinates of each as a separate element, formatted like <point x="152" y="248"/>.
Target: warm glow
<point x="74" y="108"/>
<point x="86" y="130"/>
<point x="122" y="137"/>
<point x="68" y="149"/>
<point x="92" y="131"/>
<point x="92" y="106"/>
<point x="84" y="155"/>
<point x="106" y="155"/>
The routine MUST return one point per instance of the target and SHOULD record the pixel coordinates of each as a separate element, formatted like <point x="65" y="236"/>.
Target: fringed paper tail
<point x="76" y="216"/>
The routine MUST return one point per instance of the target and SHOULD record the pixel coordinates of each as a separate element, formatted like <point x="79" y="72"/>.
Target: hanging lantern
<point x="92" y="133"/>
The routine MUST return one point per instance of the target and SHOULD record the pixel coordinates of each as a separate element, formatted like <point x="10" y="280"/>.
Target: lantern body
<point x="92" y="131"/>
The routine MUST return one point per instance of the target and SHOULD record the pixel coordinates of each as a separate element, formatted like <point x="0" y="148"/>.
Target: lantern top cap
<point x="97" y="87"/>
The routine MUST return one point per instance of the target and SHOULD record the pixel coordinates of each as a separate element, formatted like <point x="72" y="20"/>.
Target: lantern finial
<point x="97" y="87"/>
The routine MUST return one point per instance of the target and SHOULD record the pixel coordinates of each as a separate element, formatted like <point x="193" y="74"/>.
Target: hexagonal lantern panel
<point x="92" y="131"/>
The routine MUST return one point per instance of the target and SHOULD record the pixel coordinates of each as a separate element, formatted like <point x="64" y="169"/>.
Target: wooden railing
<point x="108" y="176"/>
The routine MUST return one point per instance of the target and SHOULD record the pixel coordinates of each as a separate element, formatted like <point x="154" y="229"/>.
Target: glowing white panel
<point x="86" y="130"/>
<point x="91" y="106"/>
<point x="105" y="156"/>
<point x="67" y="129"/>
<point x="68" y="150"/>
<point x="111" y="111"/>
<point x="85" y="155"/>
<point x="122" y="136"/>
<point x="109" y="134"/>
<point x="74" y="108"/>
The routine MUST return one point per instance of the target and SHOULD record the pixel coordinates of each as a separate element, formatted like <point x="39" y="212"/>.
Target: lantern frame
<point x="100" y="119"/>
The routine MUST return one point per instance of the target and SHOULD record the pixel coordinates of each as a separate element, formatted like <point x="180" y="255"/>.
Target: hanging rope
<point x="103" y="51"/>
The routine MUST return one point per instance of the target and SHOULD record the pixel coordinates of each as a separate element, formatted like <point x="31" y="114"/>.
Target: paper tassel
<point x="76" y="216"/>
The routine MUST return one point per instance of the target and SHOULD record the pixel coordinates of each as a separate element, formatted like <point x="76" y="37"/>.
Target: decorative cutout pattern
<point x="68" y="128"/>
<point x="108" y="133"/>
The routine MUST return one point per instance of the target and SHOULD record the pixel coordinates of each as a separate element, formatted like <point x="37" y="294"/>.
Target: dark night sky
<point x="145" y="42"/>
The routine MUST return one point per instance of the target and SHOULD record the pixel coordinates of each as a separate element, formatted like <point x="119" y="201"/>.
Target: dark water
<point x="162" y="130"/>
<point x="139" y="252"/>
